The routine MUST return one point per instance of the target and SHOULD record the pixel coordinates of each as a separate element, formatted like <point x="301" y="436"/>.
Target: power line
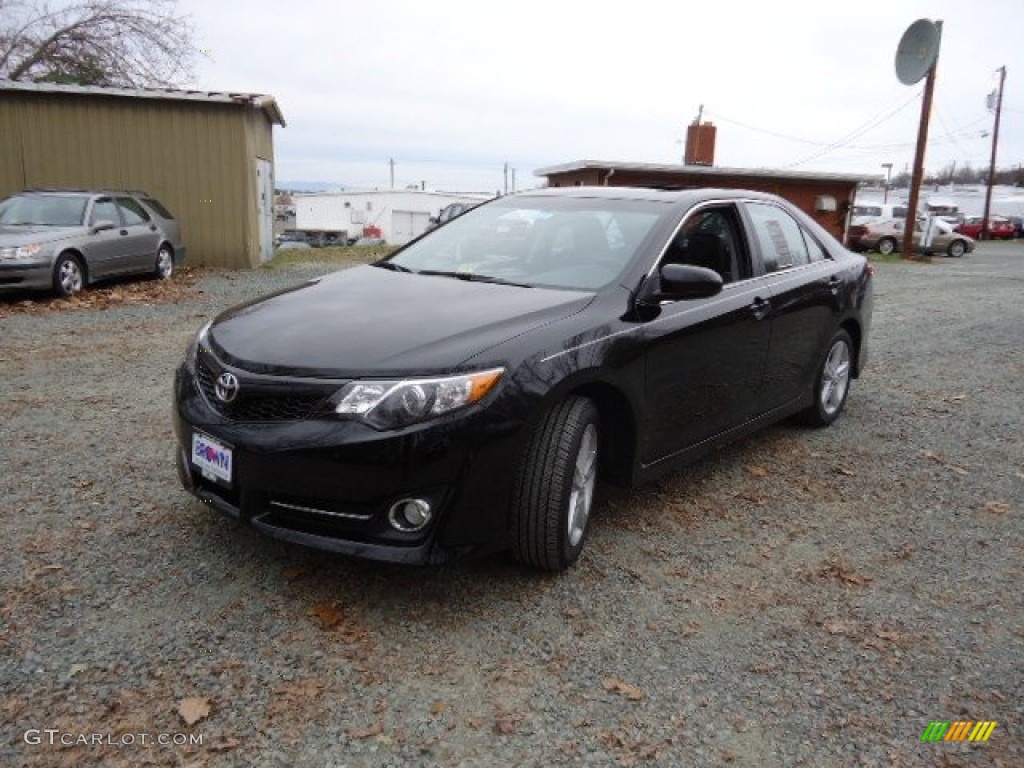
<point x="856" y="132"/>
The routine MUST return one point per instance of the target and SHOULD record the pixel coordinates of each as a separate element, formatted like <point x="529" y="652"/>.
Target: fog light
<point x="409" y="515"/>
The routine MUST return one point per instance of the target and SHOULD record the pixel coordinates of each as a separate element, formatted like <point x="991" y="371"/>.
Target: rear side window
<point x="132" y="211"/>
<point x="780" y="237"/>
<point x="157" y="207"/>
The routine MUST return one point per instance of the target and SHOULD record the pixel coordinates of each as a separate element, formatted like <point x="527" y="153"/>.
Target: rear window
<point x="157" y="207"/>
<point x="867" y="210"/>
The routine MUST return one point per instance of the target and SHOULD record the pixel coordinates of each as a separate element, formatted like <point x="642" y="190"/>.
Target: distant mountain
<point x="309" y="186"/>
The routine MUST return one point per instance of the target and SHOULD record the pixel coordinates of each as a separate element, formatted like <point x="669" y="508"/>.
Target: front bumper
<point x="328" y="483"/>
<point x="28" y="275"/>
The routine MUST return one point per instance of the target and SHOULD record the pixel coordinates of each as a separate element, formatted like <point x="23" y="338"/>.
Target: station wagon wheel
<point x="957" y="249"/>
<point x="164" y="263"/>
<point x="554" y="491"/>
<point x="832" y="384"/>
<point x="886" y="246"/>
<point x="68" y="275"/>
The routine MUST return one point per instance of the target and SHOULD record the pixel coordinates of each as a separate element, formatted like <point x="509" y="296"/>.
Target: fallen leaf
<point x="438" y="707"/>
<point x="840" y="626"/>
<point x="224" y="746"/>
<point x="366" y="733"/>
<point x="296" y="572"/>
<point x="757" y="470"/>
<point x="504" y="726"/>
<point x="997" y="507"/>
<point x="330" y="614"/>
<point x="194" y="709"/>
<point x="631" y="692"/>
<point x="845" y="471"/>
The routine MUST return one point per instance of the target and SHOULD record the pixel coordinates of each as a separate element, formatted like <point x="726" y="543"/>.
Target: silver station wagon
<point x="62" y="240"/>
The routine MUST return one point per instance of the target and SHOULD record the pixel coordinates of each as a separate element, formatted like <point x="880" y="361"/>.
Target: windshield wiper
<point x="471" y="277"/>
<point x="390" y="265"/>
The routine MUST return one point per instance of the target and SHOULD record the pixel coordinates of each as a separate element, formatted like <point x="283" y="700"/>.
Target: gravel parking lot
<point x="803" y="598"/>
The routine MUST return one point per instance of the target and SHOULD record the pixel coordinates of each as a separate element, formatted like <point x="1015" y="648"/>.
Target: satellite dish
<point x="918" y="50"/>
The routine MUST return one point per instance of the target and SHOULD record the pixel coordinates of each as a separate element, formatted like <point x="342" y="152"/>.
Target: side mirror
<point x="684" y="281"/>
<point x="101" y="225"/>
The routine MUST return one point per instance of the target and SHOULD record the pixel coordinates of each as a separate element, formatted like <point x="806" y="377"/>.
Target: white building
<point x="399" y="215"/>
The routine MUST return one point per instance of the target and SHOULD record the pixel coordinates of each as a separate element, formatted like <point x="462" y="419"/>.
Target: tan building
<point x="209" y="157"/>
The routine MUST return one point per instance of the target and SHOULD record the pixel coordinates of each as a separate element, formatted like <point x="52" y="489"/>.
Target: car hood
<point x="27" y="233"/>
<point x="369" y="321"/>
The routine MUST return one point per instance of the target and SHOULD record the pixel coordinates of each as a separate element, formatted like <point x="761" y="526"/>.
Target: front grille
<point x="278" y="406"/>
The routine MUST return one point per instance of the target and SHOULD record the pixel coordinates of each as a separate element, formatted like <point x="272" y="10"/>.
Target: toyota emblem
<point x="226" y="387"/>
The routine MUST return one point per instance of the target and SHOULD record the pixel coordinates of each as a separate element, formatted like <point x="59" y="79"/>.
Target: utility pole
<point x="391" y="162"/>
<point x="888" y="176"/>
<point x="992" y="164"/>
<point x="506" y="178"/>
<point x="513" y="181"/>
<point x="914" y="48"/>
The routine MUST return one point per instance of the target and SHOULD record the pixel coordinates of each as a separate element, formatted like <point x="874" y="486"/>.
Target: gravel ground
<point x="803" y="598"/>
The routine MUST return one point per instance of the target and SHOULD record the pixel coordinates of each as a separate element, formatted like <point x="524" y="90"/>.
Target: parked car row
<point x="293" y="239"/>
<point x="63" y="240"/>
<point x="999" y="228"/>
<point x="886" y="237"/>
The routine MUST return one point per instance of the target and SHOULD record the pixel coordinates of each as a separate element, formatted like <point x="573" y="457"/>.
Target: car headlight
<point x="21" y="253"/>
<point x="393" y="404"/>
<point x="192" y="353"/>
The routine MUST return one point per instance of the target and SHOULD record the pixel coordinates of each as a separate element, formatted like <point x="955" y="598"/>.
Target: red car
<point x="998" y="228"/>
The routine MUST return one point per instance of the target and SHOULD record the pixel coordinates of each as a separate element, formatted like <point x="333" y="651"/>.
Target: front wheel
<point x="957" y="249"/>
<point x="886" y="246"/>
<point x="555" y="488"/>
<point x="164" y="263"/>
<point x="68" y="275"/>
<point x="832" y="383"/>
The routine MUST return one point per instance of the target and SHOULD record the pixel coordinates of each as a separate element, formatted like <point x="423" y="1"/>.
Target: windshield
<point x="43" y="210"/>
<point x="552" y="242"/>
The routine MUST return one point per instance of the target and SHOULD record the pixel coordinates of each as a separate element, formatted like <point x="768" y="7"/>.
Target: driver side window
<point x="104" y="209"/>
<point x="710" y="238"/>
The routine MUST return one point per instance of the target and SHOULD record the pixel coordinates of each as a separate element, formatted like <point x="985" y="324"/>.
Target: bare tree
<point x="133" y="43"/>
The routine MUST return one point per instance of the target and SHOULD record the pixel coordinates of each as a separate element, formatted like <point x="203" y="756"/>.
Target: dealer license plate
<point x="212" y="457"/>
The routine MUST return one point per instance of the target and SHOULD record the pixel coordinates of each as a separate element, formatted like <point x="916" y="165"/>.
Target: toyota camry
<point x="465" y="394"/>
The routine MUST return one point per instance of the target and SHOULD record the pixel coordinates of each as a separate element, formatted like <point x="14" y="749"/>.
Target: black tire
<point x="551" y="503"/>
<point x="832" y="382"/>
<point x="887" y="246"/>
<point x="68" y="275"/>
<point x="164" y="267"/>
<point x="957" y="248"/>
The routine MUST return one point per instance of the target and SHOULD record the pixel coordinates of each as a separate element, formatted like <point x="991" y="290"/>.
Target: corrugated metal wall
<point x="197" y="158"/>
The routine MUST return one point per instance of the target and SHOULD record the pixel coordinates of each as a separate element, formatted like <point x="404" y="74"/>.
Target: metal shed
<point x="209" y="157"/>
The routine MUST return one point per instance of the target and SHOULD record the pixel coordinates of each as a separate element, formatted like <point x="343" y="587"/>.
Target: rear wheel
<point x="832" y="384"/>
<point x="555" y="488"/>
<point x="886" y="246"/>
<point x="68" y="275"/>
<point x="164" y="263"/>
<point x="957" y="249"/>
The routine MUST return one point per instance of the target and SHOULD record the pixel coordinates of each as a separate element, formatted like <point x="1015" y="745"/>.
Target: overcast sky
<point x="454" y="90"/>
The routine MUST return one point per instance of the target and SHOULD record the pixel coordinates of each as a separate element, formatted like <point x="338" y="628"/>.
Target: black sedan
<point x="466" y="393"/>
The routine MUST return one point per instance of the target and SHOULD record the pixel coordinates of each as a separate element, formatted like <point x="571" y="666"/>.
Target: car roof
<point x="78" y="191"/>
<point x="649" y="193"/>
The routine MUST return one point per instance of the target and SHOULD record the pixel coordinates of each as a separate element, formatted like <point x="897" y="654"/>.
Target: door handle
<point x="834" y="284"/>
<point x="760" y="308"/>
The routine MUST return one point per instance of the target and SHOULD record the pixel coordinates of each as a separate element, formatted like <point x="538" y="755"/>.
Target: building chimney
<point x="700" y="143"/>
